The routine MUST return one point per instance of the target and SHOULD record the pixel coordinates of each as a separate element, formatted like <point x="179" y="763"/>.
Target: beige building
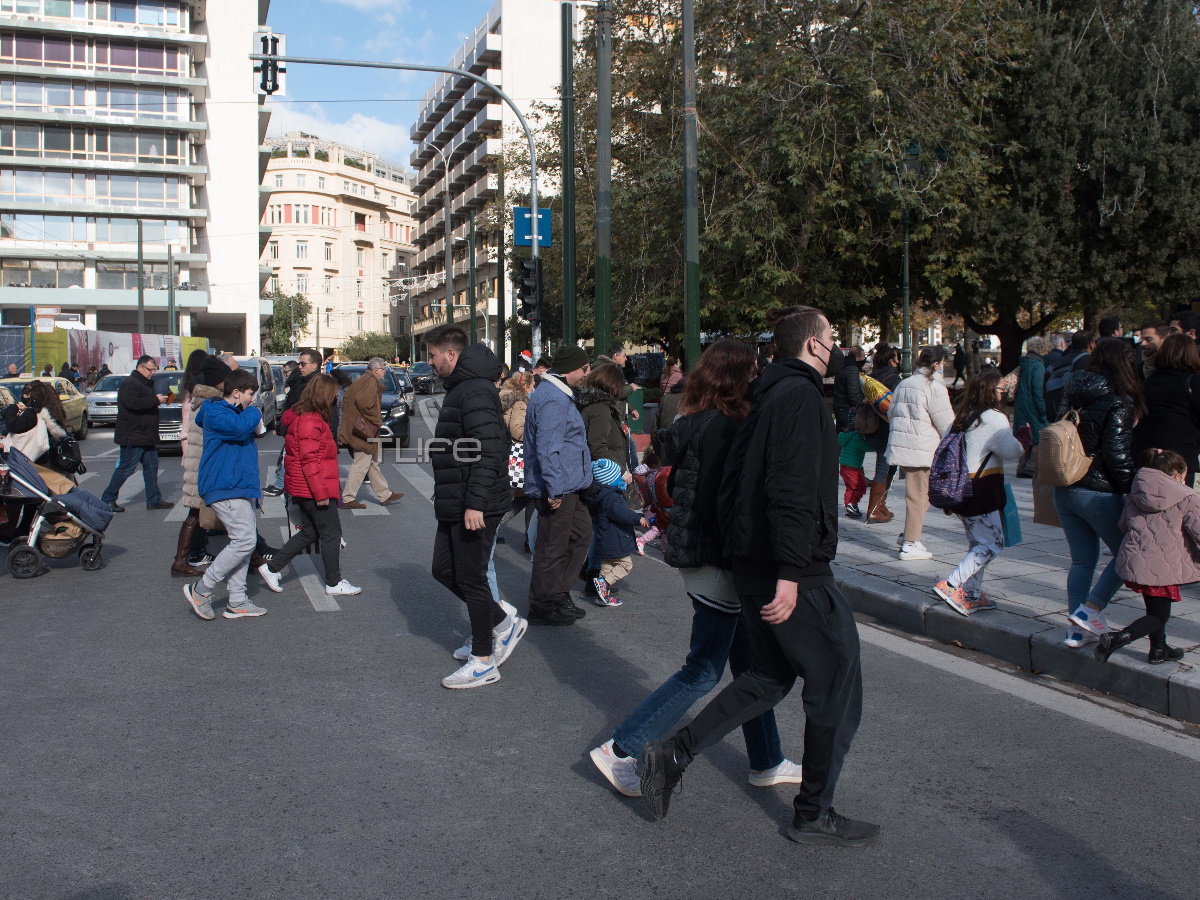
<point x="341" y="230"/>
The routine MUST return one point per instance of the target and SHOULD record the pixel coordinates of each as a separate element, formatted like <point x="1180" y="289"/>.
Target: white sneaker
<point x="245" y="610"/>
<point x="914" y="550"/>
<point x="506" y="638"/>
<point x="465" y="650"/>
<point x="1077" y="637"/>
<point x="342" y="589"/>
<point x="509" y="609"/>
<point x="621" y="773"/>
<point x="1089" y="619"/>
<point x="475" y="673"/>
<point x="271" y="578"/>
<point x="787" y="772"/>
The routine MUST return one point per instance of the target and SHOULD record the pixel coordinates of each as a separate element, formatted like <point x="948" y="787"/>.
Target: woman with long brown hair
<point x="314" y="483"/>
<point x="1172" y="420"/>
<point x="36" y="421"/>
<point x="714" y="405"/>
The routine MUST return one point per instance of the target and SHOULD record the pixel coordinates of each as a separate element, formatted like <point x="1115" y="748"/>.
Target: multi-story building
<point x="341" y="232"/>
<point x="461" y="130"/>
<point x="115" y="111"/>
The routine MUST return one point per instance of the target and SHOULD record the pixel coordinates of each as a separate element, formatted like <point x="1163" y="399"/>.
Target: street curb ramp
<point x="1032" y="644"/>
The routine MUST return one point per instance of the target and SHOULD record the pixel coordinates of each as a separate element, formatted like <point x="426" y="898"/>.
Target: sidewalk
<point x="1028" y="582"/>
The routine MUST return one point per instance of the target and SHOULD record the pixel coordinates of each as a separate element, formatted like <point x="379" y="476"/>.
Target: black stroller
<point x="50" y="526"/>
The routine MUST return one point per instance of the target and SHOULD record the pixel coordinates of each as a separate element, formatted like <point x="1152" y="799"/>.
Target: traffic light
<point x="529" y="290"/>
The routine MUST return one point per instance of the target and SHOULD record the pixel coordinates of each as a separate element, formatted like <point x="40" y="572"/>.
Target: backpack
<point x="949" y="477"/>
<point x="66" y="456"/>
<point x="1061" y="458"/>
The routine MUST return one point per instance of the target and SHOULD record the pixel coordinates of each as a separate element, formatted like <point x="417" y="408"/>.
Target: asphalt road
<point x="313" y="753"/>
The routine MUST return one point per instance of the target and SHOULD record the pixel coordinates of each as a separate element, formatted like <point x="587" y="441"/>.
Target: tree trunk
<point x="1011" y="336"/>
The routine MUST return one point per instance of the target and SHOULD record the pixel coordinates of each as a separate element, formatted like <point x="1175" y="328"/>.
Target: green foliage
<point x="353" y="163"/>
<point x="365" y="344"/>
<point x="289" y="319"/>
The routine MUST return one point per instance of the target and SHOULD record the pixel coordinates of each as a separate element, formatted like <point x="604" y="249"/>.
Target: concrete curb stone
<point x="1183" y="694"/>
<point x="998" y="633"/>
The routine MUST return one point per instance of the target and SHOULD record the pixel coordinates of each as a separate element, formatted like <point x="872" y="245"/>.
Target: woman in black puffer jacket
<point x="1107" y="397"/>
<point x="713" y="406"/>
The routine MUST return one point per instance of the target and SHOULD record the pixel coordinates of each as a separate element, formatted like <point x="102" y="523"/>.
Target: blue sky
<point x="370" y="110"/>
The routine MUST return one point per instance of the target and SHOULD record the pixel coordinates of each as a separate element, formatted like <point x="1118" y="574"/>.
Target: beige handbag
<point x="208" y="518"/>
<point x="1044" y="512"/>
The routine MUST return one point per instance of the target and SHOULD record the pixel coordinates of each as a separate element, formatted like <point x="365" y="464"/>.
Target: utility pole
<point x="172" y="323"/>
<point x="471" y="269"/>
<point x="501" y="275"/>
<point x="691" y="218"/>
<point x="141" y="284"/>
<point x="906" y="352"/>
<point x="568" y="170"/>
<point x="603" y="328"/>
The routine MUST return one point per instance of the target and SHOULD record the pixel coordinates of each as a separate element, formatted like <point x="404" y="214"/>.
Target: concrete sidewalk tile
<point x="1000" y="633"/>
<point x="1126" y="675"/>
<point x="885" y="600"/>
<point x="1183" y="692"/>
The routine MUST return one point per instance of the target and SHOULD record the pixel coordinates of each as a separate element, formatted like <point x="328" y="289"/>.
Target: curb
<point x="1031" y="644"/>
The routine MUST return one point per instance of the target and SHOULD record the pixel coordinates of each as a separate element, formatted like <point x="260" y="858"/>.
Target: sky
<point x="365" y="109"/>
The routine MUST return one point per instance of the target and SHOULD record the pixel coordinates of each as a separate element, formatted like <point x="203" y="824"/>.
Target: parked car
<point x="102" y="401"/>
<point x="396" y="429"/>
<point x="265" y="398"/>
<point x="406" y="384"/>
<point x="424" y="379"/>
<point x="74" y="404"/>
<point x="170" y="414"/>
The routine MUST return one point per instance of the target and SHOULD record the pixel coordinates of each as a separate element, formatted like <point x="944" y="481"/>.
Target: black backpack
<point x="66" y="456"/>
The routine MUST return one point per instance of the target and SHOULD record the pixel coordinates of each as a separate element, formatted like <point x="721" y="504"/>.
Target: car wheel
<point x="82" y="433"/>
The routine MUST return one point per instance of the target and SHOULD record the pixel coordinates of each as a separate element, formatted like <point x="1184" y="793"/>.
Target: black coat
<point x="1106" y="430"/>
<point x="137" y="412"/>
<point x="1173" y="418"/>
<point x="295" y="385"/>
<point x="696" y="448"/>
<point x="478" y="478"/>
<point x="847" y="393"/>
<point x="779" y="494"/>
<point x="888" y="376"/>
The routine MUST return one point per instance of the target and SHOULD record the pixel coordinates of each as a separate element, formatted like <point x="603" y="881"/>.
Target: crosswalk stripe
<point x="273" y="507"/>
<point x="421" y="480"/>
<point x="178" y="512"/>
<point x="313" y="586"/>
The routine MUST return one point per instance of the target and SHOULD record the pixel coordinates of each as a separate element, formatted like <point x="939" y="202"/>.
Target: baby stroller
<point x="56" y="526"/>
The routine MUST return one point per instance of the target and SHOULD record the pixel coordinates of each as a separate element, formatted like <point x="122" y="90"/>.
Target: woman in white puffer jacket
<point x="919" y="416"/>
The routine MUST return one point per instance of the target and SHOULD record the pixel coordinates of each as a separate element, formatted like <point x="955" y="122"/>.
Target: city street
<point x="145" y="753"/>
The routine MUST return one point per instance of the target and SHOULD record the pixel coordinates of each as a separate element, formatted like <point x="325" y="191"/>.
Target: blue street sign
<point x="522" y="220"/>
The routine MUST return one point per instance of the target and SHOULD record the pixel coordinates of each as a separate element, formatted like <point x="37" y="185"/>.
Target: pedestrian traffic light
<point x="529" y="290"/>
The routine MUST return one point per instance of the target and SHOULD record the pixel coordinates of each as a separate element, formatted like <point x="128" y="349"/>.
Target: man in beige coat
<point x="362" y="399"/>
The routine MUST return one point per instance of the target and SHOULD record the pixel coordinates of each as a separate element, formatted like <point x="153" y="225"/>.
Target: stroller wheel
<point x="91" y="559"/>
<point x="24" y="561"/>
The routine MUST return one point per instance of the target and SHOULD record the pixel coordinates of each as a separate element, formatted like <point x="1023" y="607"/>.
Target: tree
<point x="289" y="319"/>
<point x="367" y="344"/>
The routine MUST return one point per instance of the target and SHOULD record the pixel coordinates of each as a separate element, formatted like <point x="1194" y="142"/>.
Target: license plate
<point x="169" y="435"/>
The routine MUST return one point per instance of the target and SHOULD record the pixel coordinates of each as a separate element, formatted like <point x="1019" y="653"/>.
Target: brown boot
<point x="883" y="510"/>
<point x="876" y="511"/>
<point x="186" y="532"/>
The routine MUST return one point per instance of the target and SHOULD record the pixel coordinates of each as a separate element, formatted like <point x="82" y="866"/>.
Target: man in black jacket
<point x="136" y="433"/>
<point x="779" y="508"/>
<point x="847" y="388"/>
<point x="469" y="453"/>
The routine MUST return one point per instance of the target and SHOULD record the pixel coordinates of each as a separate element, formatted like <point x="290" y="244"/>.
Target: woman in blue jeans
<point x="1107" y="397"/>
<point x="713" y="406"/>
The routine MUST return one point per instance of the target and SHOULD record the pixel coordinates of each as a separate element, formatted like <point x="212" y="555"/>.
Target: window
<point x="156" y="13"/>
<point x="359" y="318"/>
<point x="345" y="187"/>
<point x="328" y="283"/>
<point x="385" y="262"/>
<point x="124" y="276"/>
<point x="302" y="282"/>
<point x="328" y="251"/>
<point x="273" y="250"/>
<point x="321" y="182"/>
<point x="300" y="181"/>
<point x="393" y="201"/>
<point x="301" y="249"/>
<point x="141" y="190"/>
<point x="360" y="221"/>
<point x="157" y="232"/>
<point x="41" y="273"/>
<point x="302" y="214"/>
<point x="358" y="289"/>
<point x="358" y="256"/>
<point x="278" y="181"/>
<point x="273" y="283"/>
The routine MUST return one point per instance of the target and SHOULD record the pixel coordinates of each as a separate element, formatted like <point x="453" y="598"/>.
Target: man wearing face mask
<point x="778" y="509"/>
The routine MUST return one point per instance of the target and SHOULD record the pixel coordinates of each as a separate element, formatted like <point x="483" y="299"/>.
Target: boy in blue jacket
<point x="615" y="541"/>
<point x="228" y="483"/>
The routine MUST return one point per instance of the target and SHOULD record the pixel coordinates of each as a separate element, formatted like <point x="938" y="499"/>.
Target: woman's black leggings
<point x="1153" y="624"/>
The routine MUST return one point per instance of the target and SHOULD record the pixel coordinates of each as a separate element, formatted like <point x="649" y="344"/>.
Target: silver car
<point x="265" y="398"/>
<point x="102" y="401"/>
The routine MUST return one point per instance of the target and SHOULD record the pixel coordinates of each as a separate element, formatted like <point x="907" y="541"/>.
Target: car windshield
<point x="168" y="383"/>
<point x="110" y="382"/>
<point x="389" y="380"/>
<point x="277" y="371"/>
<point x="422" y="368"/>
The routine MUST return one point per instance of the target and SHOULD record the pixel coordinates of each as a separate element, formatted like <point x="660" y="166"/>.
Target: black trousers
<point x="563" y="536"/>
<point x="316" y="523"/>
<point x="818" y="643"/>
<point x="460" y="563"/>
<point x="1153" y="624"/>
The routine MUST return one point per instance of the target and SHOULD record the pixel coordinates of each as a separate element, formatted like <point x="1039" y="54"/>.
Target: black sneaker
<point x="567" y="603"/>
<point x="853" y="512"/>
<point x="555" y="615"/>
<point x="661" y="777"/>
<point x="832" y="829"/>
<point x="161" y="504"/>
<point x="115" y="507"/>
<point x="272" y="491"/>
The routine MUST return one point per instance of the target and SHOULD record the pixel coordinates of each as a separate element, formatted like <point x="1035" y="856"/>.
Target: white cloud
<point x="388" y="139"/>
<point x="370" y="5"/>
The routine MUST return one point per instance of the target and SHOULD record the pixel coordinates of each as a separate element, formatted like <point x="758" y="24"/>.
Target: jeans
<point x="127" y="462"/>
<point x="233" y="562"/>
<point x="1089" y="517"/>
<point x="317" y="523"/>
<point x="717" y="638"/>
<point x="460" y="559"/>
<point x="279" y="473"/>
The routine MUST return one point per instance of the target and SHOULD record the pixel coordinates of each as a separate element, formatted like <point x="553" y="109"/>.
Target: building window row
<point x="50" y="273"/>
<point x="50" y="185"/>
<point x="300" y="214"/>
<point x="100" y="230"/>
<point x="99" y="54"/>
<point x="81" y="142"/>
<point x="155" y="13"/>
<point x="78" y="98"/>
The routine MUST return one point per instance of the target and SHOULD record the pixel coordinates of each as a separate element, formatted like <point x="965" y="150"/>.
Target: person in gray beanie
<point x="558" y="467"/>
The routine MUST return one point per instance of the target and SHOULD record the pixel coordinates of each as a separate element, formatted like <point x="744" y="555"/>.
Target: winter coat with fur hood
<point x="195" y="446"/>
<point x="1162" y="524"/>
<point x="602" y="419"/>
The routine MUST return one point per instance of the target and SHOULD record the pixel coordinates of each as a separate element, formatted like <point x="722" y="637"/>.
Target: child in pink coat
<point x="1161" y="550"/>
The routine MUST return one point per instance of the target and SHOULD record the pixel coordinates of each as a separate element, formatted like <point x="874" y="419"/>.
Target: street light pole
<point x="141" y="283"/>
<point x="449" y="250"/>
<point x="471" y="268"/>
<point x="568" y="170"/>
<point x="691" y="217"/>
<point x="603" y="312"/>
<point x="906" y="352"/>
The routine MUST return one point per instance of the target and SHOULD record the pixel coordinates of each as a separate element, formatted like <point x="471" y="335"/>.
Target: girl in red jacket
<point x="313" y="481"/>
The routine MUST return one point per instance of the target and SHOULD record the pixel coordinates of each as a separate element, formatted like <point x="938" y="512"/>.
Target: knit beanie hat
<point x="568" y="358"/>
<point x="214" y="371"/>
<point x="605" y="471"/>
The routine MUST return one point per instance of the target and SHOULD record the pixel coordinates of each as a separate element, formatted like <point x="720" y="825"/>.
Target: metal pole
<point x="471" y="270"/>
<point x="319" y="332"/>
<point x="568" y="171"/>
<point x="171" y="322"/>
<point x="691" y="217"/>
<point x="449" y="251"/>
<point x="33" y="341"/>
<point x="906" y="353"/>
<point x="412" y="333"/>
<point x="141" y="284"/>
<point x="501" y="275"/>
<point x="603" y="325"/>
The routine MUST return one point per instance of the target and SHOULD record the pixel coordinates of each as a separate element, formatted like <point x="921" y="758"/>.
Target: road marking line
<point x="1015" y="686"/>
<point x="373" y="509"/>
<point x="312" y="583"/>
<point x="273" y="507"/>
<point x="421" y="480"/>
<point x="178" y="513"/>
